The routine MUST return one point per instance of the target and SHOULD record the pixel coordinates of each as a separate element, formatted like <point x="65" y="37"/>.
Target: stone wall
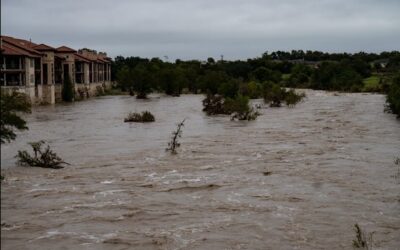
<point x="48" y="94"/>
<point x="29" y="91"/>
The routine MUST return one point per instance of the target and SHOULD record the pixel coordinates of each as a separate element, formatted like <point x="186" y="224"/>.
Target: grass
<point x="371" y="84"/>
<point x="285" y="76"/>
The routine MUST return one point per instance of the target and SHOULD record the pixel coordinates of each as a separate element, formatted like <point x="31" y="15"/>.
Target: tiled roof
<point x="65" y="49"/>
<point x="16" y="46"/>
<point x="43" y="47"/>
<point x="8" y="49"/>
<point x="22" y="45"/>
<point x="80" y="57"/>
<point x="99" y="59"/>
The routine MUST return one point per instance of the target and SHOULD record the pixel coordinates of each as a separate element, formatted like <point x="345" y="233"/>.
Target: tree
<point x="9" y="119"/>
<point x="124" y="79"/>
<point x="393" y="97"/>
<point x="336" y="76"/>
<point x="275" y="95"/>
<point x="142" y="81"/>
<point x="265" y="74"/>
<point x="68" y="90"/>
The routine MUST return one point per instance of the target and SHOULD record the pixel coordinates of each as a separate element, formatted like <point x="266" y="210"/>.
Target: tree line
<point x="296" y="69"/>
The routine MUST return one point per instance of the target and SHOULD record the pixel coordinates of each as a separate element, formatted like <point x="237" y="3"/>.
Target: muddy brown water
<point x="296" y="178"/>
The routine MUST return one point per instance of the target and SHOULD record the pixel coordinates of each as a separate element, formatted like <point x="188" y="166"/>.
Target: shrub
<point x="252" y="89"/>
<point x="238" y="107"/>
<point x="393" y="97"/>
<point x="10" y="105"/>
<point x="100" y="91"/>
<point x="292" y="98"/>
<point x="145" y="116"/>
<point x="173" y="144"/>
<point x="44" y="159"/>
<point x="275" y="95"/>
<point x="214" y="104"/>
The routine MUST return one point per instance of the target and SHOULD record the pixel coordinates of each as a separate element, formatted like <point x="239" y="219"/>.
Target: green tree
<point x="336" y="76"/>
<point x="124" y="79"/>
<point x="262" y="74"/>
<point x="275" y="95"/>
<point x="9" y="119"/>
<point x="68" y="90"/>
<point x="251" y="89"/>
<point x="393" y="97"/>
<point x="142" y="81"/>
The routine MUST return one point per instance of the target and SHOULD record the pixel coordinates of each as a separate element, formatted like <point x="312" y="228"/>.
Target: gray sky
<point x="197" y="29"/>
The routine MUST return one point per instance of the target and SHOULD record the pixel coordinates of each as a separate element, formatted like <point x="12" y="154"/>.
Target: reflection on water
<point x="296" y="178"/>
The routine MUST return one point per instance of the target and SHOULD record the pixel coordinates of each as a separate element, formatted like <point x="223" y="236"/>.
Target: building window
<point x="32" y="78"/>
<point x="32" y="62"/>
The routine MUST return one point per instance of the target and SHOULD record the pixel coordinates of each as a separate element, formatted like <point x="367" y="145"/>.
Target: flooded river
<point x="296" y="178"/>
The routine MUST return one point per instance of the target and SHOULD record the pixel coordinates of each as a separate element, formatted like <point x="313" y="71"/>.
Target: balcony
<point x="11" y="67"/>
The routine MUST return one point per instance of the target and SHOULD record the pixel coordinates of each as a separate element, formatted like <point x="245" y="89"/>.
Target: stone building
<point x="39" y="70"/>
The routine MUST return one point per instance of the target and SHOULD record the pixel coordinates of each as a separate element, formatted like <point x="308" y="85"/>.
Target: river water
<point x="296" y="178"/>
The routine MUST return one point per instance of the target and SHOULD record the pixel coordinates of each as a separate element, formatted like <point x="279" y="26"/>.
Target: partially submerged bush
<point x="42" y="158"/>
<point x="238" y="107"/>
<point x="214" y="105"/>
<point x="292" y="98"/>
<point x="275" y="96"/>
<point x="145" y="116"/>
<point x="173" y="144"/>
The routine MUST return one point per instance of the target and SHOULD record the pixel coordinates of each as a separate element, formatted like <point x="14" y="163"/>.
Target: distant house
<point x="381" y="62"/>
<point x="39" y="70"/>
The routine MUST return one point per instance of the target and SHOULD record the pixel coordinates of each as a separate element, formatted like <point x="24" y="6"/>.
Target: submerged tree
<point x="276" y="95"/>
<point x="68" y="90"/>
<point x="142" y="81"/>
<point x="173" y="144"/>
<point x="145" y="116"/>
<point x="42" y="158"/>
<point x="9" y="119"/>
<point x="238" y="107"/>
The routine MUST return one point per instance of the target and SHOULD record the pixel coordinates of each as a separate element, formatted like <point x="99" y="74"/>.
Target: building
<point x="39" y="70"/>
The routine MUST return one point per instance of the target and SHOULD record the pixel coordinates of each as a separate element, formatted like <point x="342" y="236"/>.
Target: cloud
<point x="203" y="28"/>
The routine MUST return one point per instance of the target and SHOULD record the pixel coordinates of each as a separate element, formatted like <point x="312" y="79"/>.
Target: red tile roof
<point x="16" y="46"/>
<point x="22" y="45"/>
<point x="82" y="58"/>
<point x="43" y="47"/>
<point x="65" y="49"/>
<point x="8" y="49"/>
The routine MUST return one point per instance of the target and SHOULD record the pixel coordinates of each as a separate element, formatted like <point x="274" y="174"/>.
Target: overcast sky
<point x="197" y="29"/>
